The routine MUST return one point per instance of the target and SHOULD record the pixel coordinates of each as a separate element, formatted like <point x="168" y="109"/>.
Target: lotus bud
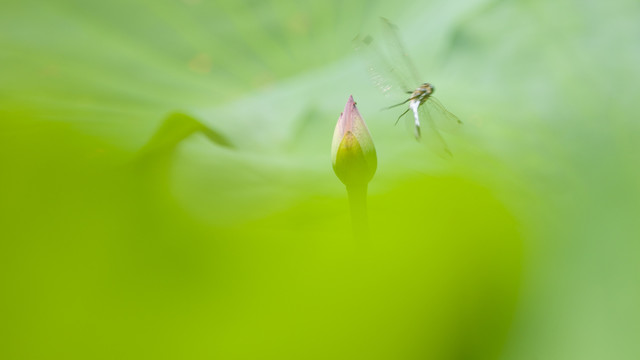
<point x="352" y="151"/>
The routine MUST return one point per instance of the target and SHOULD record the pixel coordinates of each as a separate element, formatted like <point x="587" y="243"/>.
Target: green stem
<point x="358" y="204"/>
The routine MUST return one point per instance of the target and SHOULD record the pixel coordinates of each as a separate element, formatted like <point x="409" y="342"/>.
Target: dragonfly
<point x="393" y="69"/>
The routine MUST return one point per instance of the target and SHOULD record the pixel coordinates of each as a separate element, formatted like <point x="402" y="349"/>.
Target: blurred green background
<point x="166" y="188"/>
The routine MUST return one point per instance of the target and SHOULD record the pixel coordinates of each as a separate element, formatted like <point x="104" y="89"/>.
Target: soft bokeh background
<point x="166" y="187"/>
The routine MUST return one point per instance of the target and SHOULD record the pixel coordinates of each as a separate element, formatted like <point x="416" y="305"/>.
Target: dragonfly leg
<point x="401" y="115"/>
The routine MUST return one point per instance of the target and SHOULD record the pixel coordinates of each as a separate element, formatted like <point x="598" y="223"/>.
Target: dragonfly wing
<point x="442" y="117"/>
<point x="376" y="62"/>
<point x="431" y="136"/>
<point x="398" y="54"/>
<point x="388" y="63"/>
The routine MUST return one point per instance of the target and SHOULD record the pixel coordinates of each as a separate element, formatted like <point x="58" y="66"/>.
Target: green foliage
<point x="166" y="188"/>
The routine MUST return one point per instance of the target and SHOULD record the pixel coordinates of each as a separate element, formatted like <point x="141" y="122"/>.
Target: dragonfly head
<point x="428" y="88"/>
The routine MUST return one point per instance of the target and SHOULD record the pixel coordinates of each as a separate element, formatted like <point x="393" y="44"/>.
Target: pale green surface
<point x="226" y="235"/>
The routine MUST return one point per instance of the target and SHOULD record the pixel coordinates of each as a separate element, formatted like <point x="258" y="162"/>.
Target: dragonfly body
<point x="392" y="59"/>
<point x="419" y="97"/>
